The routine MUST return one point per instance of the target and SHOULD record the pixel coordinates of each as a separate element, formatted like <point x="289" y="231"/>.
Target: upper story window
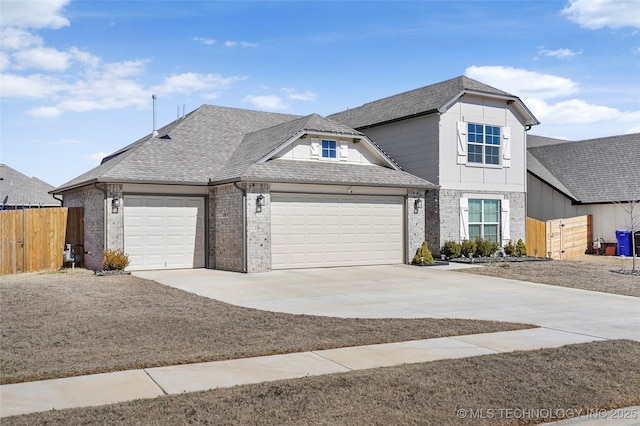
<point x="328" y="149"/>
<point x="483" y="144"/>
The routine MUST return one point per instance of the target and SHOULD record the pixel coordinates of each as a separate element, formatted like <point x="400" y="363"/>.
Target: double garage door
<point x="310" y="231"/>
<point x="164" y="232"/>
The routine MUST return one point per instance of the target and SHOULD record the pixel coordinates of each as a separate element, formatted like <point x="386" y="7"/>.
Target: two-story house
<point x="470" y="140"/>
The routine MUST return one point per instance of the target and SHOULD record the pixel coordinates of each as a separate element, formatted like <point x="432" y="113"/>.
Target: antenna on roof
<point x="155" y="128"/>
<point x="178" y="113"/>
<point x="184" y="106"/>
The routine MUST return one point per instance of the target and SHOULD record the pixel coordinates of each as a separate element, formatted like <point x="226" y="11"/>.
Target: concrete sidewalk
<point x="108" y="388"/>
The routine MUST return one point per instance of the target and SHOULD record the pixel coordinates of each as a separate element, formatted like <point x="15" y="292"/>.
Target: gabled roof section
<point x="423" y="101"/>
<point x="602" y="170"/>
<point x="23" y="190"/>
<point x="261" y="146"/>
<point x="326" y="173"/>
<point x="191" y="150"/>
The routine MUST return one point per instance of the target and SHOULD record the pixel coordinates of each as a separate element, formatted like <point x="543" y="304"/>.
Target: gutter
<point x="244" y="227"/>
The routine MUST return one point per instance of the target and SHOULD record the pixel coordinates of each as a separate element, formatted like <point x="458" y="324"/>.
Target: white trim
<point x="506" y="149"/>
<point x="462" y="142"/>
<point x="504" y="221"/>
<point x="315" y="148"/>
<point x="464" y="219"/>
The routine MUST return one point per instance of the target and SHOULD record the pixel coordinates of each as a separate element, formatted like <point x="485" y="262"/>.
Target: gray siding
<point x="411" y="143"/>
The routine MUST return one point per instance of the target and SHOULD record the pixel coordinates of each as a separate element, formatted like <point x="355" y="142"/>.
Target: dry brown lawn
<point x="586" y="272"/>
<point x="72" y="323"/>
<point x="503" y="389"/>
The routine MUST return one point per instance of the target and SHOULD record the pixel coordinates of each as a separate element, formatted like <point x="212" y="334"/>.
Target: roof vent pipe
<point x="155" y="127"/>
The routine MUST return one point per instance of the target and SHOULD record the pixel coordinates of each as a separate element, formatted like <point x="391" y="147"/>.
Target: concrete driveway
<point x="402" y="291"/>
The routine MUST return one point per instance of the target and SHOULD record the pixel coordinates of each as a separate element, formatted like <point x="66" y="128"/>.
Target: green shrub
<point x="509" y="249"/>
<point x="467" y="248"/>
<point x="115" y="260"/>
<point x="423" y="255"/>
<point x="451" y="249"/>
<point x="521" y="249"/>
<point x="483" y="247"/>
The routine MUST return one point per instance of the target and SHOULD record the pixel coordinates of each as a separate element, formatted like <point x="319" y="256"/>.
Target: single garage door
<point x="164" y="232"/>
<point x="316" y="231"/>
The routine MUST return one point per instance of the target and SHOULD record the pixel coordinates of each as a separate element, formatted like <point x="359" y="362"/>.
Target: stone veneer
<point x="93" y="202"/>
<point x="444" y="208"/>
<point x="415" y="220"/>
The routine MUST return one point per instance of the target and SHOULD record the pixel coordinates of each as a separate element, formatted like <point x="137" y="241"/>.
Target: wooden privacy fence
<point x="559" y="239"/>
<point x="536" y="238"/>
<point x="34" y="239"/>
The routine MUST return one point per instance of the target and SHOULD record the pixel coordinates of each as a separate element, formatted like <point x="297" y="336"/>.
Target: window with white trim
<point x="329" y="148"/>
<point x="484" y="220"/>
<point x="483" y="144"/>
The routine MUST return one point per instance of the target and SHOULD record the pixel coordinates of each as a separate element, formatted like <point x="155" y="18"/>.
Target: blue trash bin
<point x="624" y="243"/>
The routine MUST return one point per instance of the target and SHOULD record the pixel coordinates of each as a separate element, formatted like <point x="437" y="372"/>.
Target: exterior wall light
<point x="115" y="204"/>
<point x="260" y="203"/>
<point x="417" y="204"/>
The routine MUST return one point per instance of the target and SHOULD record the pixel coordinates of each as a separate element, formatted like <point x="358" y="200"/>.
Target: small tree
<point x="451" y="249"/>
<point x="509" y="248"/>
<point x="115" y="260"/>
<point x="521" y="249"/>
<point x="467" y="248"/>
<point x="423" y="255"/>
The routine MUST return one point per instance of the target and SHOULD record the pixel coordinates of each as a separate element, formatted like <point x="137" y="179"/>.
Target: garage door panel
<point x="317" y="231"/>
<point x="164" y="232"/>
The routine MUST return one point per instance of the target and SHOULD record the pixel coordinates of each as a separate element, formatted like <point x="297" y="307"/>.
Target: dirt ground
<point x="72" y="323"/>
<point x="586" y="272"/>
<point x="518" y="388"/>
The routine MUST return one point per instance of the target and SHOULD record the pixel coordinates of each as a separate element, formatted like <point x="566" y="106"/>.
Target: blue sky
<point x="77" y="76"/>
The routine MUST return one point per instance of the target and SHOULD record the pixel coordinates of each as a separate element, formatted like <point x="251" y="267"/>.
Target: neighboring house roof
<point x="599" y="170"/>
<point x="426" y="100"/>
<point x="23" y="190"/>
<point x="218" y="145"/>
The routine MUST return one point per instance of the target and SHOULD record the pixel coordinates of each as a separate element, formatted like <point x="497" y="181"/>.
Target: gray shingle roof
<point x="417" y="102"/>
<point x="318" y="172"/>
<point x="591" y="171"/>
<point x="216" y="144"/>
<point x="23" y="190"/>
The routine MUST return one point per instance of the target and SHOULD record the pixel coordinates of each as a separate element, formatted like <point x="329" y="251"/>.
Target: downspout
<point x="58" y="199"/>
<point x="244" y="227"/>
<point x="106" y="212"/>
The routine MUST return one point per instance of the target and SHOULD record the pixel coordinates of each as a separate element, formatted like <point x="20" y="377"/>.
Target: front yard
<point x="72" y="323"/>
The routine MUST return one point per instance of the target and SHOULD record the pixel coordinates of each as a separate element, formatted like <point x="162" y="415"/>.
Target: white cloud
<point x="33" y="14"/>
<point x="189" y="82"/>
<point x="293" y="95"/>
<point x="13" y="38"/>
<point x="42" y="58"/>
<point x="536" y="89"/>
<point x="95" y="157"/>
<point x="5" y="61"/>
<point x="46" y="112"/>
<point x="636" y="50"/>
<point x="124" y="69"/>
<point x="207" y="41"/>
<point x="32" y="86"/>
<point x="523" y="83"/>
<point x="231" y="43"/>
<point x="269" y="102"/>
<point x="558" y="53"/>
<point x="596" y="14"/>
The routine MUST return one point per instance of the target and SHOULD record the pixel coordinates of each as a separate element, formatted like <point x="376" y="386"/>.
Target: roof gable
<point x="422" y="101"/>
